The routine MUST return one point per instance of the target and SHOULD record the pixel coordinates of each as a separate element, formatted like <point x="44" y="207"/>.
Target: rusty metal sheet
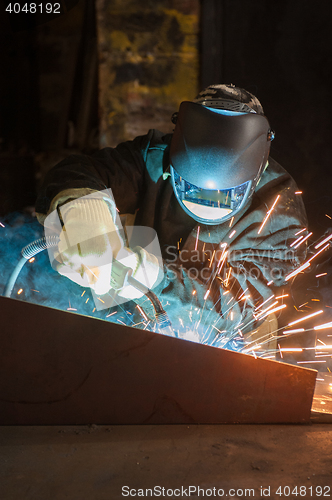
<point x="58" y="367"/>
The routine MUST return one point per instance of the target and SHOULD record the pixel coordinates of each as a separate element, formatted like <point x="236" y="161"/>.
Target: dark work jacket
<point x="193" y="294"/>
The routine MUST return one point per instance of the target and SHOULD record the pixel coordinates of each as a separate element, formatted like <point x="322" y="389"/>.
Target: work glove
<point x="90" y="240"/>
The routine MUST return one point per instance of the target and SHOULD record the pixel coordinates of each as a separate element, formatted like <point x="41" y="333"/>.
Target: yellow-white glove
<point x="89" y="240"/>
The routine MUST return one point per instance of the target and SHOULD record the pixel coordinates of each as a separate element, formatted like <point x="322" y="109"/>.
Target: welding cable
<point x="41" y="244"/>
<point x="27" y="253"/>
<point x="161" y="315"/>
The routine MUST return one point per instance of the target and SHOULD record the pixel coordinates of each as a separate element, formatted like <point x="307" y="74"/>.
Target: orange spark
<point x="243" y="292"/>
<point x="271" y="311"/>
<point x="214" y="252"/>
<point x="320" y="251"/>
<point x="323" y="326"/>
<point x="266" y="309"/>
<point x="305" y="318"/>
<point x="304" y="239"/>
<point x="290" y="349"/>
<point x="324" y="241"/>
<point x="297" y="271"/>
<point x="307" y="263"/>
<point x="296" y="330"/>
<point x="221" y="261"/>
<point x="296" y="241"/>
<point x="142" y="312"/>
<point x="268" y="214"/>
<point x="198" y="230"/>
<point x="227" y="277"/>
<point x="267" y="300"/>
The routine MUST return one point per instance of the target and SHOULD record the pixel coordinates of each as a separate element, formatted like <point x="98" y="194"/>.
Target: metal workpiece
<point x="59" y="367"/>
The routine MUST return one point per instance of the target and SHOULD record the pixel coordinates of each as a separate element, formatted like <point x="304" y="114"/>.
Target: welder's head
<point x="219" y="150"/>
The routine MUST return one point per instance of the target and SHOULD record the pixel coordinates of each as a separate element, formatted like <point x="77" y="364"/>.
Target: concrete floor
<point x="95" y="462"/>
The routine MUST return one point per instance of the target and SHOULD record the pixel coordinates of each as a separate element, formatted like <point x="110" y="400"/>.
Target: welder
<point x="206" y="190"/>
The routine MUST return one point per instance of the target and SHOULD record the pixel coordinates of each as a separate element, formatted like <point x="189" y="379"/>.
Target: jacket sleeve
<point x="120" y="168"/>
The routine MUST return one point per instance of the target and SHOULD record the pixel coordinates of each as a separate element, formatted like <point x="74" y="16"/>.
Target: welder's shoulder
<point x="276" y="175"/>
<point x="137" y="149"/>
<point x="277" y="181"/>
<point x="159" y="139"/>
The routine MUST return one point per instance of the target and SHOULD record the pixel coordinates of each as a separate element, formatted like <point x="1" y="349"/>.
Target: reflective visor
<point x="209" y="206"/>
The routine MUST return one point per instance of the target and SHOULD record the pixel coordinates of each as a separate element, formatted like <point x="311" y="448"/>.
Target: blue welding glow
<point x="37" y="282"/>
<point x="226" y="112"/>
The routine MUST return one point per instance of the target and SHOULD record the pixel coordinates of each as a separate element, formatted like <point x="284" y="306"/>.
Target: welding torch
<point x="121" y="276"/>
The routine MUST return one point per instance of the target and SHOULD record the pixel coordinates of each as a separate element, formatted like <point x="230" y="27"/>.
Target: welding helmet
<point x="219" y="150"/>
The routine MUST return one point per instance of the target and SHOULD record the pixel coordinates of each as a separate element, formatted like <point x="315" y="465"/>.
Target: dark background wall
<point x="48" y="95"/>
<point x="281" y="51"/>
<point x="148" y="64"/>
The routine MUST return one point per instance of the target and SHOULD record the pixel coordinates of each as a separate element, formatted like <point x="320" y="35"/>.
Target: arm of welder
<point x="91" y="240"/>
<point x="120" y="169"/>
